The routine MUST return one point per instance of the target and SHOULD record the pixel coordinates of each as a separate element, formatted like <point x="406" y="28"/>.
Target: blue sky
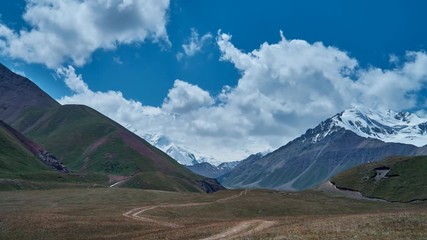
<point x="374" y="34"/>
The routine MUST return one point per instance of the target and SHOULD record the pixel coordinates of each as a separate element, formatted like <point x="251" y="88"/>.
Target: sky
<point x="221" y="78"/>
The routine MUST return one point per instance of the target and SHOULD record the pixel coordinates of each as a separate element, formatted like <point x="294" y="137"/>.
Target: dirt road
<point x="242" y="229"/>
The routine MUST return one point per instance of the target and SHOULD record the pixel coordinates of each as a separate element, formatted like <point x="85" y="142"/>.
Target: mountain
<point x="228" y="166"/>
<point x="89" y="143"/>
<point x="19" y="94"/>
<point x="335" y="145"/>
<point x="24" y="164"/>
<point x="395" y="179"/>
<point x="208" y="170"/>
<point x="390" y="126"/>
<point x="17" y="153"/>
<point x="198" y="164"/>
<point x="14" y="142"/>
<point x="178" y="153"/>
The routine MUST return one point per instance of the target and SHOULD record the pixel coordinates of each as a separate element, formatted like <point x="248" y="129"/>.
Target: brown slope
<point x="18" y="94"/>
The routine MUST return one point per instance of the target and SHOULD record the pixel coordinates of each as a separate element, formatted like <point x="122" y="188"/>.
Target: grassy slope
<point x="97" y="214"/>
<point x="88" y="142"/>
<point x="20" y="169"/>
<point x="410" y="184"/>
<point x="15" y="157"/>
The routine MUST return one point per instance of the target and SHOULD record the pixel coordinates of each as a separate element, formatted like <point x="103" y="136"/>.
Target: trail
<point x="117" y="183"/>
<point x="241" y="229"/>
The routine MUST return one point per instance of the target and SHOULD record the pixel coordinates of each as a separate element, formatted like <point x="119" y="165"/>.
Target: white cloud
<point x="112" y="103"/>
<point x="194" y="44"/>
<point x="71" y="30"/>
<point x="185" y="97"/>
<point x="73" y="81"/>
<point x="284" y="89"/>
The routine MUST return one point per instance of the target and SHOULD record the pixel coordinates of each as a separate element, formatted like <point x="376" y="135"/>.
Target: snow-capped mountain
<point x="389" y="126"/>
<point x="178" y="153"/>
<point x="350" y="138"/>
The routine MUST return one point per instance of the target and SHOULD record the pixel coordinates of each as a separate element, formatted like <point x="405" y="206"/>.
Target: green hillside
<point x="21" y="169"/>
<point x="395" y="179"/>
<point x="15" y="156"/>
<point x="95" y="149"/>
<point x="87" y="142"/>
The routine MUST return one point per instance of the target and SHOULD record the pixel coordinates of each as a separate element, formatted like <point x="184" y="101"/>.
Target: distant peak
<point x="385" y="125"/>
<point x="388" y="126"/>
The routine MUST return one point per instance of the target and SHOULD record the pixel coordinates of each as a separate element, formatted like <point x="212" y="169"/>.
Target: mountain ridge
<point x="389" y="126"/>
<point x="89" y="143"/>
<point x="19" y="94"/>
<point x="314" y="157"/>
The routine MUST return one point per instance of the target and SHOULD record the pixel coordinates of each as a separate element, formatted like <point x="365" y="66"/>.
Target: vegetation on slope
<point x="16" y="157"/>
<point x="21" y="169"/>
<point x="95" y="148"/>
<point x="404" y="179"/>
<point x="87" y="142"/>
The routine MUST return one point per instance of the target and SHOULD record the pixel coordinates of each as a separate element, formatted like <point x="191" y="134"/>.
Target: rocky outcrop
<point x="51" y="161"/>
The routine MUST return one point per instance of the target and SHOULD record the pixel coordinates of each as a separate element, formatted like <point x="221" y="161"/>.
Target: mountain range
<point x="88" y="144"/>
<point x="350" y="138"/>
<point x="197" y="163"/>
<point x="42" y="140"/>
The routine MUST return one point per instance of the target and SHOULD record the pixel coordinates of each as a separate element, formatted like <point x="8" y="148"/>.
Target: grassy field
<point x="98" y="214"/>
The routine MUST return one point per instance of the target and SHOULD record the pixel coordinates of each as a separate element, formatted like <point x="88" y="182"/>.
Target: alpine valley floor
<point x="119" y="213"/>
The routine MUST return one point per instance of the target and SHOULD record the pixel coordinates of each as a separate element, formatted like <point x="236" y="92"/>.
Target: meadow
<point x="100" y="213"/>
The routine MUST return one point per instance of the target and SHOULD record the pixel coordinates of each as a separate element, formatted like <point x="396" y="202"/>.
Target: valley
<point x="70" y="172"/>
<point x="213" y="120"/>
<point x="233" y="214"/>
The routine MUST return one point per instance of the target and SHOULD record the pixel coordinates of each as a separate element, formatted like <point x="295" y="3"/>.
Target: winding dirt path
<point x="241" y="229"/>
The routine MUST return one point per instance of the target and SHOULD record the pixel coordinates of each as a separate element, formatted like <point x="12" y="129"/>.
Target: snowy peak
<point x="388" y="126"/>
<point x="178" y="153"/>
<point x="181" y="155"/>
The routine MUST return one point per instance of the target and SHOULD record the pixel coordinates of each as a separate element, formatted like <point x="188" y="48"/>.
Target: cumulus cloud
<point x="296" y="76"/>
<point x="185" y="97"/>
<point x="284" y="88"/>
<point x="194" y="44"/>
<point x="71" y="30"/>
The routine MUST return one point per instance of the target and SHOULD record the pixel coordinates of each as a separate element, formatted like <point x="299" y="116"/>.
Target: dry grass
<point x="97" y="214"/>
